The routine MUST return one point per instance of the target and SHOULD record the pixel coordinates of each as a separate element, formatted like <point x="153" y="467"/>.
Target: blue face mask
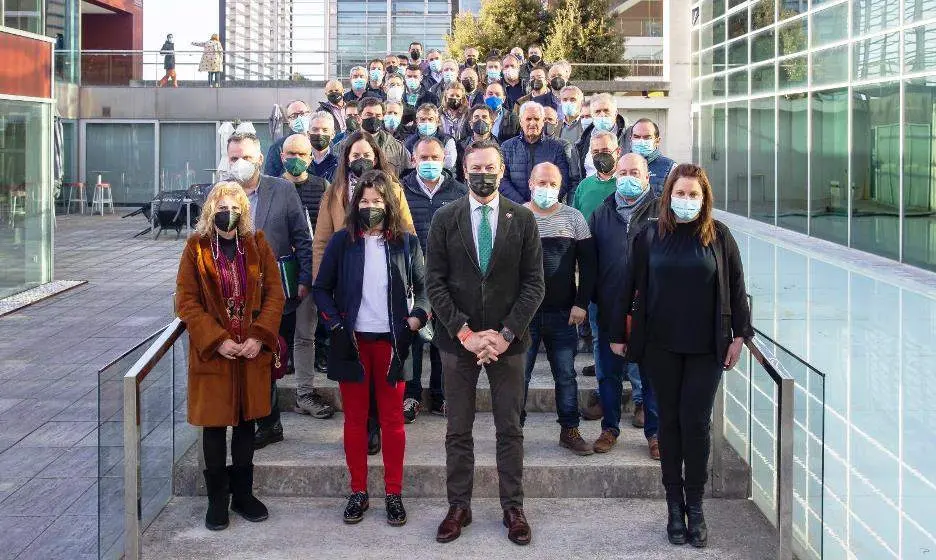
<point x="429" y="170"/>
<point x="358" y="83"/>
<point x="448" y="76"/>
<point x="435" y="65"/>
<point x="493" y="75"/>
<point x="570" y="108"/>
<point x="629" y="187"/>
<point x="643" y="147"/>
<point x="427" y="128"/>
<point x="391" y="122"/>
<point x="586" y="122"/>
<point x="412" y="83"/>
<point x="603" y="123"/>
<point x="495" y="103"/>
<point x="545" y="198"/>
<point x="686" y="209"/>
<point x="376" y="75"/>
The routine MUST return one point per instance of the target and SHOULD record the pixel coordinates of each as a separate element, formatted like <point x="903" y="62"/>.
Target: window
<point x="828" y="193"/>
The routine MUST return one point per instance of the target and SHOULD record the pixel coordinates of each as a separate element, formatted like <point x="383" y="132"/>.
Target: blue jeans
<point x="636" y="383"/>
<point x="414" y="385"/>
<point x="561" y="341"/>
<point x="611" y="390"/>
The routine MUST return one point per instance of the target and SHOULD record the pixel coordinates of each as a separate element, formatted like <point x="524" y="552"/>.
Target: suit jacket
<point x="508" y="295"/>
<point x="282" y="219"/>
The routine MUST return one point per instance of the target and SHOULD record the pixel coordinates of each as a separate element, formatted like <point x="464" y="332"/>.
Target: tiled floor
<point x="50" y="353"/>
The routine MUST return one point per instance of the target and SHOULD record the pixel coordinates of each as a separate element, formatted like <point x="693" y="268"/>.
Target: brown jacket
<point x="331" y="217"/>
<point x="219" y="389"/>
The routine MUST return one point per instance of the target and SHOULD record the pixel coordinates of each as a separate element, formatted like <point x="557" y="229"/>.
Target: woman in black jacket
<point x="689" y="318"/>
<point x="370" y="293"/>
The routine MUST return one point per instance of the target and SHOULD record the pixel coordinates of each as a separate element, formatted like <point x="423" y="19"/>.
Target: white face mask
<point x="242" y="171"/>
<point x="395" y="93"/>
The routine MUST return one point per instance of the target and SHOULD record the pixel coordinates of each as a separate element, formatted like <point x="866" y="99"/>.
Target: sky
<point x="187" y="20"/>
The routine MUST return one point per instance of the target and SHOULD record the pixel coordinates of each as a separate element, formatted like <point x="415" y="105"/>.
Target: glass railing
<point x="142" y="433"/>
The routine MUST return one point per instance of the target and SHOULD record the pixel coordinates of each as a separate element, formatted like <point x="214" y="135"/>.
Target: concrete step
<point x="567" y="529"/>
<point x="310" y="462"/>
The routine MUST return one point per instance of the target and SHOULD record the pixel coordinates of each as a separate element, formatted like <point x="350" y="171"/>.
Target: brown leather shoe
<point x="450" y="528"/>
<point x="605" y="441"/>
<point x="593" y="410"/>
<point x="654" y="444"/>
<point x="570" y="438"/>
<point x="518" y="530"/>
<point x="638" y="420"/>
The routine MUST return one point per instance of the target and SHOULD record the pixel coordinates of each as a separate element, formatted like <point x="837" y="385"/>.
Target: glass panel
<point x="920" y="48"/>
<point x="919" y="170"/>
<point x="187" y="154"/>
<point x="737" y="24"/>
<point x="762" y="195"/>
<point x="764" y="400"/>
<point x="711" y="9"/>
<point x="878" y="57"/>
<point x="763" y="46"/>
<point x="792" y="177"/>
<point x="738" y="53"/>
<point x="718" y="32"/>
<point x="25" y="15"/>
<point x="875" y="15"/>
<point x="792" y="73"/>
<point x="736" y="186"/>
<point x="763" y="78"/>
<point x="830" y="66"/>
<point x="25" y="196"/>
<point x="917" y="10"/>
<point x="62" y="22"/>
<point x="762" y="14"/>
<point x="738" y="83"/>
<point x="790" y="8"/>
<point x="712" y="156"/>
<point x="828" y="206"/>
<point x="124" y="154"/>
<point x="793" y="37"/>
<point x="718" y="59"/>
<point x="828" y="25"/>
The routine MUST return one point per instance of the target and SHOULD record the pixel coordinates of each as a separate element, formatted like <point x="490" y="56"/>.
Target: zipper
<point x="393" y="350"/>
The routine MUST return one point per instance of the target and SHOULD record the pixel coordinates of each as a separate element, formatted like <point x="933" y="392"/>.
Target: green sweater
<point x="591" y="192"/>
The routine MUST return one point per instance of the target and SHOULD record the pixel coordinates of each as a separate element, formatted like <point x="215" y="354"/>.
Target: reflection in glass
<point x="920" y="48"/>
<point x="829" y="25"/>
<point x="763" y="78"/>
<point x="919" y="186"/>
<point x="793" y="38"/>
<point x="763" y="142"/>
<point x="792" y="73"/>
<point x="738" y="83"/>
<point x="712" y="152"/>
<point x="869" y="16"/>
<point x="830" y="66"/>
<point x="829" y="186"/>
<point x="737" y="24"/>
<point x="736" y="185"/>
<point x="916" y="10"/>
<point x="186" y="152"/>
<point x="762" y="46"/>
<point x="792" y="180"/>
<point x="124" y="155"/>
<point x="878" y="57"/>
<point x="738" y="53"/>
<point x="762" y="14"/>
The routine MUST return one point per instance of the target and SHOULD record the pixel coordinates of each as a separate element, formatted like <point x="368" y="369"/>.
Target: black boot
<point x="698" y="532"/>
<point x="244" y="502"/>
<point x="266" y="435"/>
<point x="676" y="530"/>
<point x="216" y="482"/>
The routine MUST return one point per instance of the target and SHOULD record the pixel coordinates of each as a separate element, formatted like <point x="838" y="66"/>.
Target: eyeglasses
<point x="292" y="116"/>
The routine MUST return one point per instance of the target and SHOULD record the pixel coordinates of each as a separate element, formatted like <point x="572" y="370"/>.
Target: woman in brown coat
<point x="228" y="292"/>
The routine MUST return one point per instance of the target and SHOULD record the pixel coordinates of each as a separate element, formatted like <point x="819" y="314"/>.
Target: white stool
<point x="102" y="195"/>
<point x="81" y="199"/>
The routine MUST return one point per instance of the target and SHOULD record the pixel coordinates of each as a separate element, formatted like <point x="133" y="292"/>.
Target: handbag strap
<point x="406" y="265"/>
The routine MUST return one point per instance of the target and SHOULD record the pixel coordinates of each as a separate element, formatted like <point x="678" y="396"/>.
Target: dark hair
<point x="384" y="184"/>
<point x="705" y="227"/>
<point x="340" y="183"/>
<point x="239" y="137"/>
<point x="428" y="107"/>
<point x="656" y="129"/>
<point x="481" y="107"/>
<point x="415" y="43"/>
<point x="483" y="145"/>
<point x="498" y="84"/>
<point x="414" y="68"/>
<point x="375" y="61"/>
<point x="366" y="102"/>
<point x="349" y="104"/>
<point x="493" y="57"/>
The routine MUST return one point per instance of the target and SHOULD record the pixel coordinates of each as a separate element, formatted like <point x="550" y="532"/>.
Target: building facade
<point x="257" y="37"/>
<point x="822" y="120"/>
<point x="641" y="23"/>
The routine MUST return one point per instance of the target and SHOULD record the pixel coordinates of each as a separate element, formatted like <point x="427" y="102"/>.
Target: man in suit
<point x="485" y="283"/>
<point x="277" y="211"/>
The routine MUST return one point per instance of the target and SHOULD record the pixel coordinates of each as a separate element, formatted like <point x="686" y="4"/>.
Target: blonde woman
<point x="228" y="292"/>
<point x="212" y="59"/>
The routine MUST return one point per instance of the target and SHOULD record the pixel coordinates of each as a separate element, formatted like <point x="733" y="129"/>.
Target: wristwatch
<point x="508" y="335"/>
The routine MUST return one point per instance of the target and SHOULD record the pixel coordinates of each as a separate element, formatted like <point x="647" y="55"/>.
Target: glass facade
<point x="25" y="15"/>
<point x="63" y="23"/>
<point x="810" y="118"/>
<point x="124" y="155"/>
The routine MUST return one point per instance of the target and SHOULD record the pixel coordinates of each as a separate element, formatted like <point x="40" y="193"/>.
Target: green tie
<point x="485" y="239"/>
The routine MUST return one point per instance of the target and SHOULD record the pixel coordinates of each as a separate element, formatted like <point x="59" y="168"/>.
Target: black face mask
<point x="321" y="141"/>
<point x="360" y="166"/>
<point x="391" y="69"/>
<point x="334" y="97"/>
<point x="226" y="220"/>
<point x="557" y="83"/>
<point x="371" y="124"/>
<point x="414" y="54"/>
<point x="453" y="103"/>
<point x="535" y="58"/>
<point x="470" y="61"/>
<point x="604" y="162"/>
<point x="352" y="124"/>
<point x="482" y="184"/>
<point x="469" y="84"/>
<point x="371" y="217"/>
<point x="536" y="84"/>
<point x="481" y="128"/>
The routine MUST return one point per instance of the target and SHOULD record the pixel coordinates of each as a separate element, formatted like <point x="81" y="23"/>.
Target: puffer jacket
<point x="424" y="208"/>
<point x="520" y="157"/>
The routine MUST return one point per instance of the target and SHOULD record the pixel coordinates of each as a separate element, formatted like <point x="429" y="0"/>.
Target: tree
<point x="500" y="25"/>
<point x="584" y="31"/>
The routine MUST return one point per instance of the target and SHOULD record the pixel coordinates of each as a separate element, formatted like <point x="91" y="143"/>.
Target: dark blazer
<point x="508" y="295"/>
<point x="281" y="217"/>
<point x="338" y="292"/>
<point x="734" y="318"/>
<point x="509" y="127"/>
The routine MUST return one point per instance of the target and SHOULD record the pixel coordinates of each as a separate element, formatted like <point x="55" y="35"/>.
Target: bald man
<point x="567" y="245"/>
<point x="298" y="119"/>
<point x="614" y="225"/>
<point x="335" y="103"/>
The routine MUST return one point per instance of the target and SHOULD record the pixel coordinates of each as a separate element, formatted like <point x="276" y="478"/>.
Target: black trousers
<point x="214" y="443"/>
<point x="287" y="330"/>
<point x="685" y="386"/>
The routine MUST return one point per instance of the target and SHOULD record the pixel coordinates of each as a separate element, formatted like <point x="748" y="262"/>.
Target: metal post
<point x="133" y="509"/>
<point x="785" y="469"/>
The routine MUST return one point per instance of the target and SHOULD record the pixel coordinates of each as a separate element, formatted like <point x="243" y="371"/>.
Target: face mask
<point x="557" y="83"/>
<point x="604" y="162"/>
<point x="435" y="65"/>
<point x="536" y="84"/>
<point x="226" y="220"/>
<point x="429" y="170"/>
<point x="448" y="76"/>
<point x="358" y="83"/>
<point x="493" y="75"/>
<point x="603" y="123"/>
<point x="686" y="209"/>
<point x="391" y="122"/>
<point x="470" y="61"/>
<point x="320" y="141"/>
<point x="482" y="184"/>
<point x="549" y="129"/>
<point x="495" y="103"/>
<point x="395" y="93"/>
<point x="481" y="128"/>
<point x="545" y="198"/>
<point x="629" y="187"/>
<point x="334" y="97"/>
<point x="376" y="75"/>
<point x="469" y="84"/>
<point x="169" y="38"/>
<point x="242" y="171"/>
<point x="351" y="123"/>
<point x="371" y="125"/>
<point x="570" y="108"/>
<point x="295" y="166"/>
<point x="360" y="166"/>
<point x="370" y="217"/>
<point x="511" y="74"/>
<point x="414" y="54"/>
<point x="427" y="128"/>
<point x="453" y="103"/>
<point x="535" y="58"/>
<point x="412" y="83"/>
<point x="300" y="124"/>
<point x="643" y="147"/>
<point x="391" y="69"/>
<point x="586" y="122"/>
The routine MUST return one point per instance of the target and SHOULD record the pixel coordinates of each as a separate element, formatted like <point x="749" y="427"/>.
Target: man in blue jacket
<point x="531" y="147"/>
<point x="645" y="140"/>
<point x="427" y="189"/>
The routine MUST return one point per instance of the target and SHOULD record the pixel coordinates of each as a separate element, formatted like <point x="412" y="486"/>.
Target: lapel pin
<point x="508" y="215"/>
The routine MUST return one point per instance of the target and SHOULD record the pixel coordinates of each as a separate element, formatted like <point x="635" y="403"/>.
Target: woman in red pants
<point x="371" y="295"/>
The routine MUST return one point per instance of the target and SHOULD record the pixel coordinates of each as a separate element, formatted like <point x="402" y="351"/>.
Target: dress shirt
<point x="422" y="184"/>
<point x="254" y="198"/>
<point x="475" y="207"/>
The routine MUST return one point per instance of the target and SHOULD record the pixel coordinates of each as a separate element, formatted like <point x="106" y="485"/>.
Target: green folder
<point x="289" y="272"/>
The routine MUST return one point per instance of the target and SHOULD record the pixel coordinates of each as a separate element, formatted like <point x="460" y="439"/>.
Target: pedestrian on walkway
<point x="212" y="60"/>
<point x="366" y="276"/>
<point x="168" y="52"/>
<point x="690" y="317"/>
<point x="229" y="295"/>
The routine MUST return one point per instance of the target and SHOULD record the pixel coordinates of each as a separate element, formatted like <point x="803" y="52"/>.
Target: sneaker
<point x="411" y="409"/>
<point x="605" y="441"/>
<point x="396" y="514"/>
<point x="438" y="408"/>
<point x="589" y="371"/>
<point x="593" y="410"/>
<point x="570" y="438"/>
<point x="314" y="405"/>
<point x="358" y="503"/>
<point x="654" y="445"/>
<point x="638" y="420"/>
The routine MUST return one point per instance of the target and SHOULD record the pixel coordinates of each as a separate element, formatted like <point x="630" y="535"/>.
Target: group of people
<point x="432" y="205"/>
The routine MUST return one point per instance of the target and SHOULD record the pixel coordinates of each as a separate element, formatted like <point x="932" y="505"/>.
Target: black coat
<point x="423" y="208"/>
<point x="508" y="295"/>
<point x="584" y="143"/>
<point x="311" y="192"/>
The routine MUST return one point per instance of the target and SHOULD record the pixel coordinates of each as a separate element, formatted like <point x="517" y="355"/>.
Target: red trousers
<point x="375" y="357"/>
